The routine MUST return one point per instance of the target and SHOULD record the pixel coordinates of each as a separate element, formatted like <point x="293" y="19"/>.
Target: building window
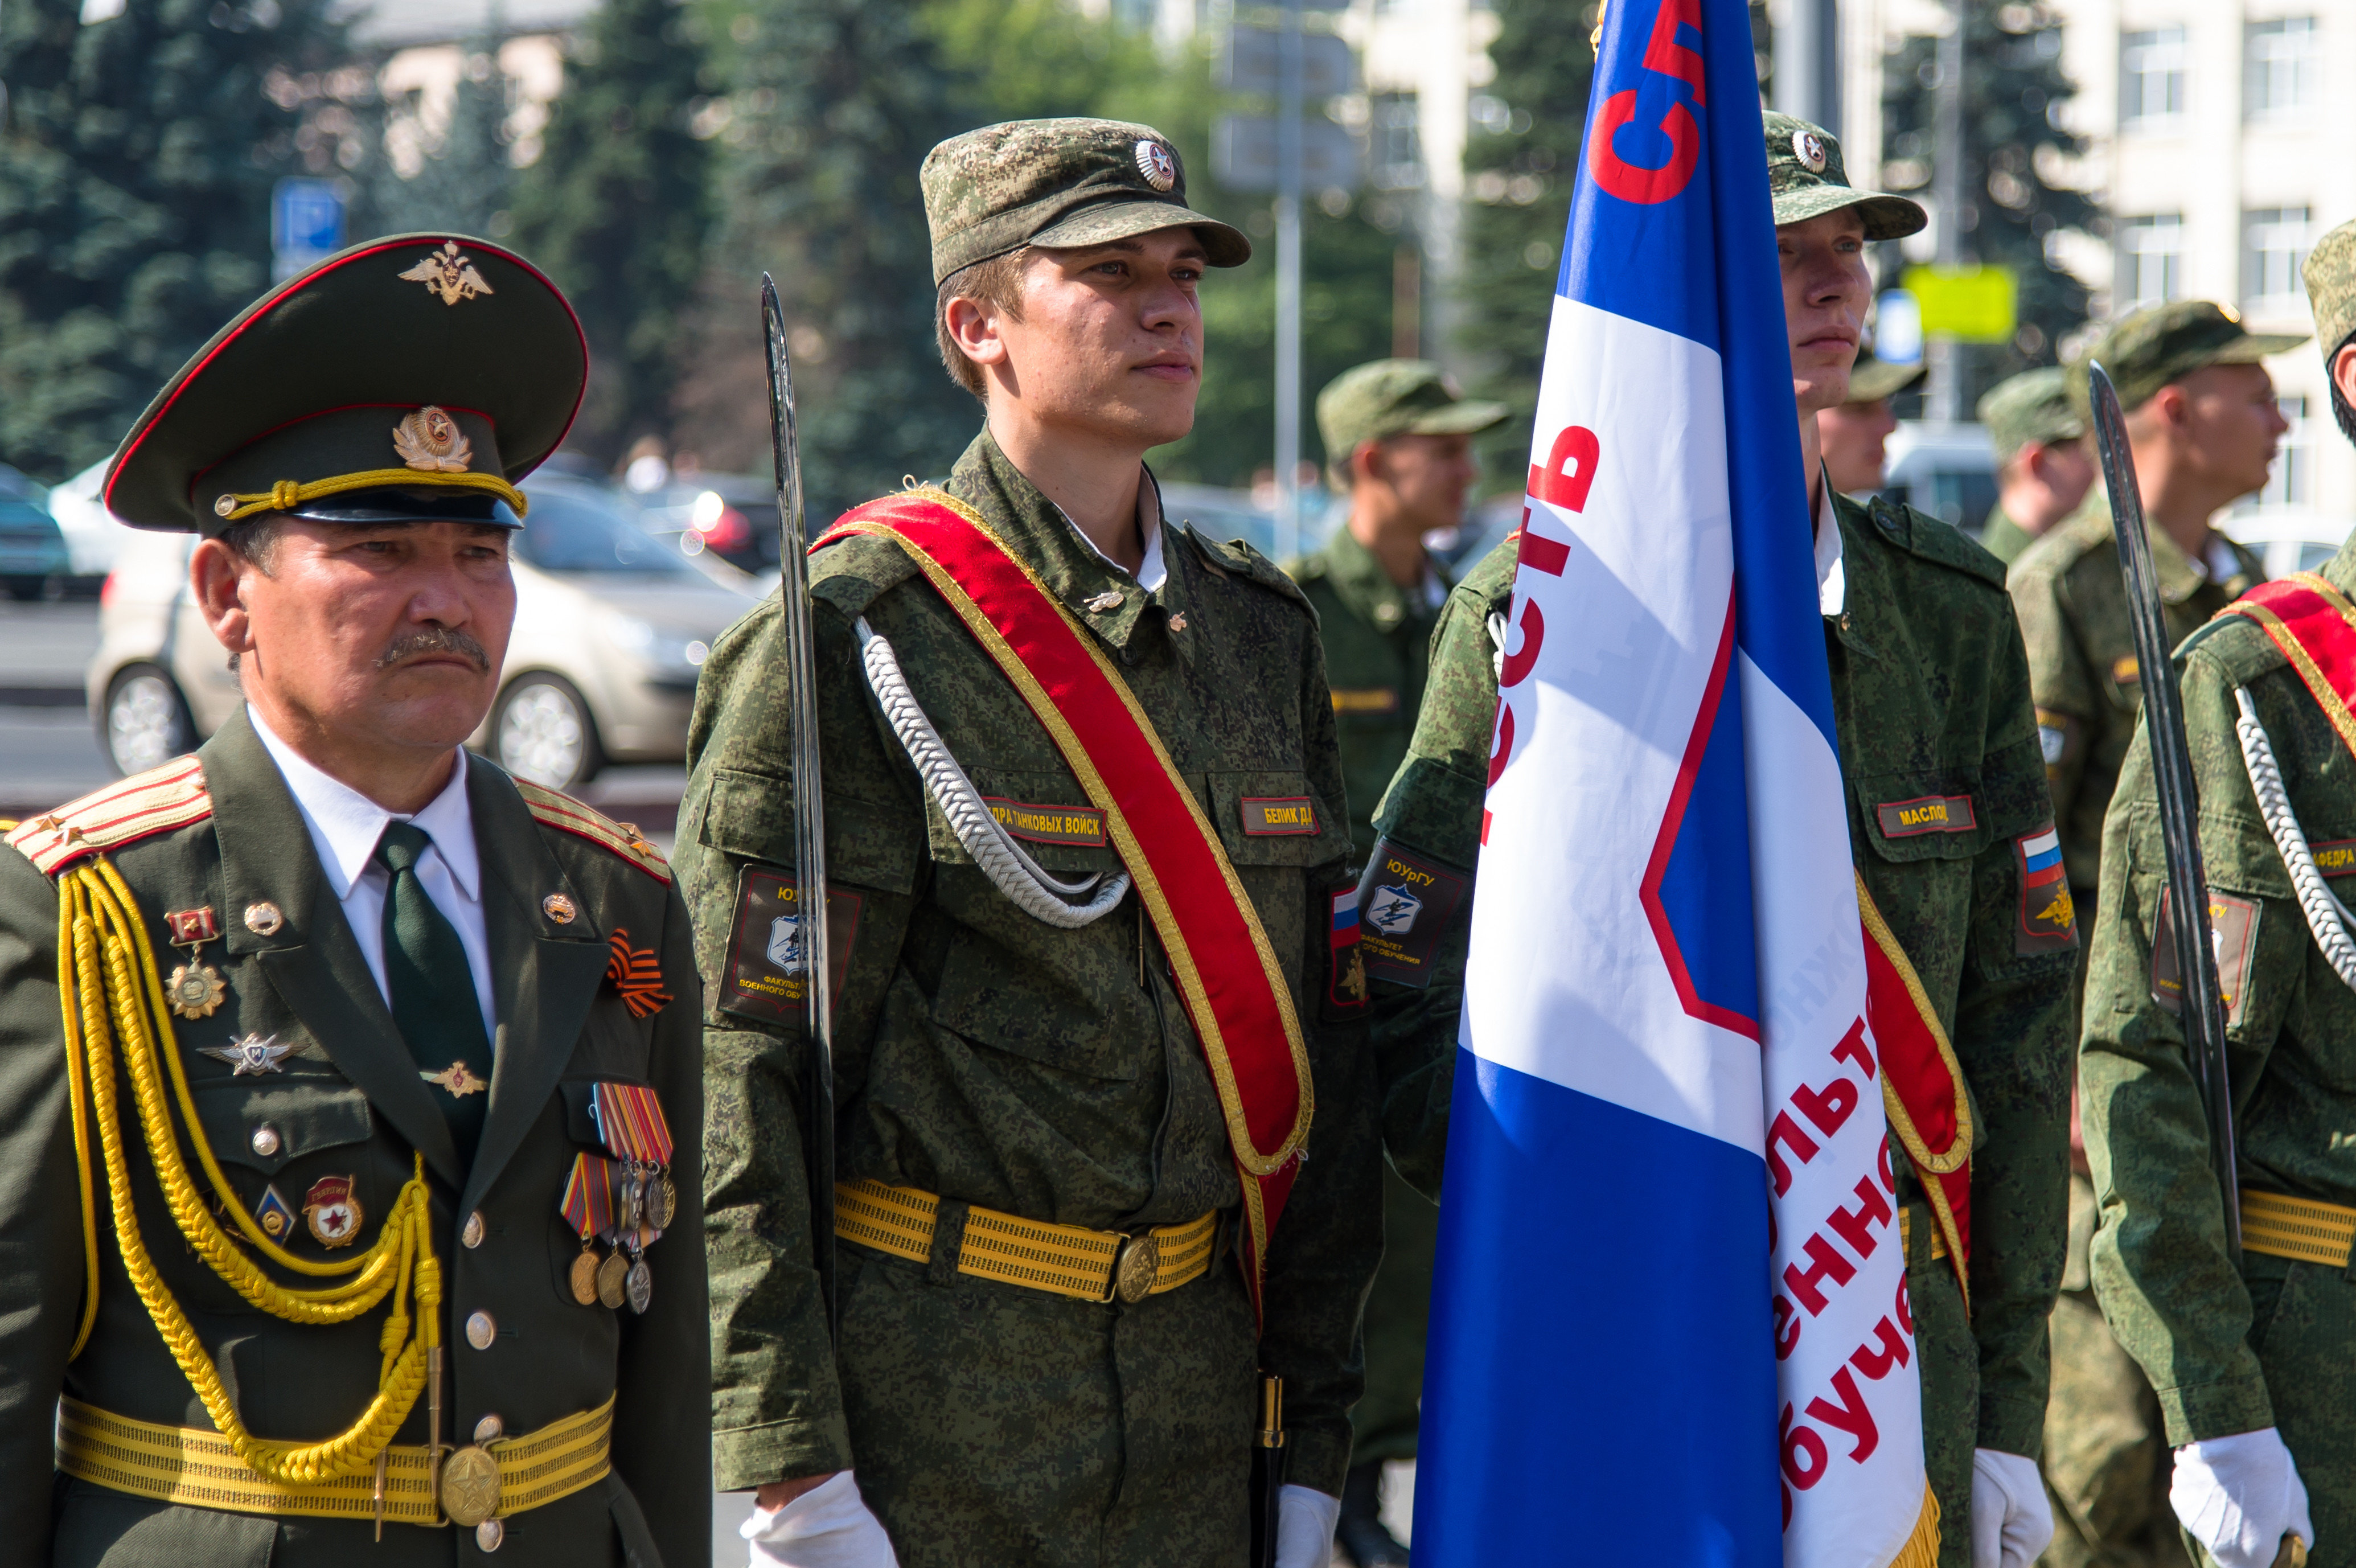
<point x="2152" y="78"/>
<point x="2283" y="62"/>
<point x="2290" y="481"/>
<point x="2274" y="251"/>
<point x="1394" y="142"/>
<point x="2151" y="261"/>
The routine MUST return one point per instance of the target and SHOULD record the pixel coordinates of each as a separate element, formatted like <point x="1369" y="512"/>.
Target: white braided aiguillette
<point x="2326" y="916"/>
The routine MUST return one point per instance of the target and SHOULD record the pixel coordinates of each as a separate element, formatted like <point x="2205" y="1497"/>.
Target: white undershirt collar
<point x="1832" y="583"/>
<point x="1151" y="572"/>
<point x="345" y="825"/>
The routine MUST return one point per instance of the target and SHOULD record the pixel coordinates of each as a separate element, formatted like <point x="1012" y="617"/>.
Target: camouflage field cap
<point x="1871" y="380"/>
<point x="1059" y="183"/>
<point x="1806" y="178"/>
<point x="405" y="379"/>
<point x="1396" y="397"/>
<point x="2330" y="273"/>
<point x="2031" y="406"/>
<point x="2145" y="350"/>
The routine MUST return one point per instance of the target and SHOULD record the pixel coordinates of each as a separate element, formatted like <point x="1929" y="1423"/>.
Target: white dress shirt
<point x="346" y="827"/>
<point x="1832" y="584"/>
<point x="1151" y="572"/>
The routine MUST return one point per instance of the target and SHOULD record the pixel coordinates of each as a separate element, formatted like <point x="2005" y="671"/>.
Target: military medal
<point x="332" y="1212"/>
<point x="194" y="989"/>
<point x="661" y="1202"/>
<point x="629" y="1117"/>
<point x="640" y="1283"/>
<point x="611" y="1274"/>
<point x="278" y="1220"/>
<point x="458" y="1079"/>
<point x="588" y="1208"/>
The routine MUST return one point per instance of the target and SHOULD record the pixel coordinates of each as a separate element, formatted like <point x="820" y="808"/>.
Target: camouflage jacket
<point x="2003" y="538"/>
<point x="982" y="1054"/>
<point x="2160" y="1262"/>
<point x="1931" y="701"/>
<point x="1377" y="636"/>
<point x="2072" y="601"/>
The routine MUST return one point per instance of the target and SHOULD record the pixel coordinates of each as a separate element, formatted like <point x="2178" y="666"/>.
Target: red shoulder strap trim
<point x="141" y="805"/>
<point x="2314" y="624"/>
<point x="557" y="810"/>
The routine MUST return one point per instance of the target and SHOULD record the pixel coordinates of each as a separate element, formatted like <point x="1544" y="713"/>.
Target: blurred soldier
<point x="1854" y="434"/>
<point x="345" y="1242"/>
<point x="2044" y="464"/>
<point x="2252" y="1366"/>
<point x="1994" y="958"/>
<point x="1398" y="441"/>
<point x="1063" y="1199"/>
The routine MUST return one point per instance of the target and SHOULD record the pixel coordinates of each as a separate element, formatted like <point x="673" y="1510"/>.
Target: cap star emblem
<point x="449" y="274"/>
<point x="254" y="1054"/>
<point x="1155" y="162"/>
<point x="430" y="440"/>
<point x="1809" y="148"/>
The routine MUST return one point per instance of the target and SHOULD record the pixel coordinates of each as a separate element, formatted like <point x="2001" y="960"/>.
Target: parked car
<point x="2289" y="539"/>
<point x="1947" y="470"/>
<point x="32" y="552"/>
<point x="92" y="533"/>
<point x="732" y="516"/>
<point x="610" y="630"/>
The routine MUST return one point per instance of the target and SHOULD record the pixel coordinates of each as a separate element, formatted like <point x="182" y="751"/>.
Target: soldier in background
<point x="1398" y="444"/>
<point x="2251" y="1365"/>
<point x="2044" y="464"/>
<point x="1855" y="434"/>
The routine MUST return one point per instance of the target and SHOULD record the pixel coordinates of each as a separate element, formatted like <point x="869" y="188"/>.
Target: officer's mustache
<point x="432" y="639"/>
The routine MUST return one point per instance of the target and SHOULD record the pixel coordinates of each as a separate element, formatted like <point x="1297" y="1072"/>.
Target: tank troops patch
<point x="764" y="979"/>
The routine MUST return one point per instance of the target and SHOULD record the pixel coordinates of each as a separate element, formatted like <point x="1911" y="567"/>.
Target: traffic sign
<point x="1898" y="328"/>
<point x="1243" y="154"/>
<point x="1248" y="63"/>
<point x="1969" y="305"/>
<point x="306" y="224"/>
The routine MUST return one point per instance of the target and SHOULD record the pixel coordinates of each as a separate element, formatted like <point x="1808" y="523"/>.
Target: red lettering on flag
<point x="1854" y="1048"/>
<point x="1554" y="485"/>
<point x="1517" y="664"/>
<point x="1828" y="1107"/>
<point x="1851" y="1415"/>
<point x="1826" y="1262"/>
<point x="1785" y="1131"/>
<point x="1801" y="1442"/>
<point x="1855" y="1225"/>
<point x="1893" y="1352"/>
<point x="1505" y="752"/>
<point x="1633" y="182"/>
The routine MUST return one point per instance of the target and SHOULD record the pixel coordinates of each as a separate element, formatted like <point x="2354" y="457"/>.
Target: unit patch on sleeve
<point x="2057" y="736"/>
<point x="1345" y="971"/>
<point x="1286" y="814"/>
<point x="767" y="978"/>
<point x="1048" y="824"/>
<point x="2048" y="919"/>
<point x="1926" y="814"/>
<point x="2235" y="922"/>
<point x="1405" y="903"/>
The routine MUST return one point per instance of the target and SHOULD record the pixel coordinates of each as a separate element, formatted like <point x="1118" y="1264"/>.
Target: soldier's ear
<point x="2344" y="372"/>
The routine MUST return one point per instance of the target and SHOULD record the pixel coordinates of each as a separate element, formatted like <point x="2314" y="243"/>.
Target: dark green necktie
<point x="433" y="1001"/>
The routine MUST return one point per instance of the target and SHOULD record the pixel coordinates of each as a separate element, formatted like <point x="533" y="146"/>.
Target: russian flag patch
<point x="2048" y="919"/>
<point x="1346" y="974"/>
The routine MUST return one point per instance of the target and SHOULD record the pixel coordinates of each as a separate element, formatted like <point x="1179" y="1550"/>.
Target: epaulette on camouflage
<point x="853" y="571"/>
<point x="563" y="812"/>
<point x="145" y="804"/>
<point x="1919" y="533"/>
<point x="2238" y="645"/>
<point x="1305" y="568"/>
<point x="1238" y="559"/>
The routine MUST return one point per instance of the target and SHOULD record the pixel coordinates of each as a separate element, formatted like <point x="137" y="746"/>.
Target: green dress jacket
<point x="348" y="1102"/>
<point x="989" y="1057"/>
<point x="2270" y="1344"/>
<point x="1930" y="699"/>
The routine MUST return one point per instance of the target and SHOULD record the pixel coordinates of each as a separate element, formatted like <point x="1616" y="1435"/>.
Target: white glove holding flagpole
<point x="829" y="1526"/>
<point x="2011" y="1521"/>
<point x="2239" y="1496"/>
<point x="1305" y="1519"/>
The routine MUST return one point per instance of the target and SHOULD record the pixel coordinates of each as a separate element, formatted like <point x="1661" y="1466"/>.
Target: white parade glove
<point x="2011" y="1521"/>
<point x="2239" y="1496"/>
<point x="1305" y="1519"/>
<point x="827" y="1527"/>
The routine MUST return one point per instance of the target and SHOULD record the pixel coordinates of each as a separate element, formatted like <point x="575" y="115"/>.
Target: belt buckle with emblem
<point x="194" y="989"/>
<point x="470" y="1486"/>
<point x="1134" y="1269"/>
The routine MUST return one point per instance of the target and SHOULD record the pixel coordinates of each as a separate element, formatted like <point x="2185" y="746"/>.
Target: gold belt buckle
<point x="1134" y="1269"/>
<point x="470" y="1486"/>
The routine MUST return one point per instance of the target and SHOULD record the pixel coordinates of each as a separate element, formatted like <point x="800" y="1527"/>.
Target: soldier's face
<point x="1428" y="475"/>
<point x="1826" y="290"/>
<point x="2228" y="425"/>
<point x="1110" y="342"/>
<point x="1854" y="437"/>
<point x="393" y="634"/>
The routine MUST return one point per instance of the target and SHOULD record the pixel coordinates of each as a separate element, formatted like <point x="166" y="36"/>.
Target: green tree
<point x="136" y="159"/>
<point x="2014" y="91"/>
<point x="466" y="180"/>
<point x="618" y="207"/>
<point x="1519" y="167"/>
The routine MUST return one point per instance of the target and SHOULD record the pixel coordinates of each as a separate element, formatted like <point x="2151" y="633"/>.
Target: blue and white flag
<point x="1671" y="1322"/>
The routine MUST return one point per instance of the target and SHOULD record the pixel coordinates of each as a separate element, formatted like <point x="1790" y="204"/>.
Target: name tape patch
<point x="767" y="976"/>
<point x="2337" y="858"/>
<point x="1048" y="824"/>
<point x="1383" y="701"/>
<point x="1405" y="905"/>
<point x="1926" y="814"/>
<point x="1278" y="814"/>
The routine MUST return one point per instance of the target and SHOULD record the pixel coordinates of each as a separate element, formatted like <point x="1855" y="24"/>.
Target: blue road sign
<point x="306" y="223"/>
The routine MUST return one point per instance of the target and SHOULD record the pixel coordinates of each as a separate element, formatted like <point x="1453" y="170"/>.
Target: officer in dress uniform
<point x="1073" y="1221"/>
<point x="2044" y="464"/>
<point x="344" y="1102"/>
<point x="1398" y="444"/>
<point x="1931" y="705"/>
<point x="2253" y="1368"/>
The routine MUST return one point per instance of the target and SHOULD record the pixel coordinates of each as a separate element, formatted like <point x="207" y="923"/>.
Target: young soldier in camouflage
<point x="1855" y="434"/>
<point x="2252" y="1367"/>
<point x="1931" y="701"/>
<point x="2044" y="464"/>
<point x="1398" y="443"/>
<point x="999" y="1076"/>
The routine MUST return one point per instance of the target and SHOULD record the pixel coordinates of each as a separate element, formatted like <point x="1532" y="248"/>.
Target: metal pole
<point x="1807" y="63"/>
<point x="1943" y="403"/>
<point x="1287" y="284"/>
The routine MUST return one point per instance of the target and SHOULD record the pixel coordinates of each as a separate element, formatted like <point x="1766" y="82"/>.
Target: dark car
<point x="33" y="551"/>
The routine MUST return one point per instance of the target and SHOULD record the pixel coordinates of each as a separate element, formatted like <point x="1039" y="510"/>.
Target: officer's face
<point x="1110" y="339"/>
<point x="370" y="636"/>
<point x="1826" y="290"/>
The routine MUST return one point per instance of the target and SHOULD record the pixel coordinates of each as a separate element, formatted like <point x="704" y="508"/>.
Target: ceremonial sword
<point x="2201" y="1007"/>
<point x="810" y="808"/>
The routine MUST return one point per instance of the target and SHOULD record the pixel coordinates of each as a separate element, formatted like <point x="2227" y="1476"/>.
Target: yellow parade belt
<point x="199" y="1469"/>
<point x="2307" y="1229"/>
<point x="1069" y="1259"/>
<point x="1906" y="1235"/>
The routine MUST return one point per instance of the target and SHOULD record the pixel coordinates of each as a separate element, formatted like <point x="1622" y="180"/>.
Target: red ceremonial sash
<point x="2315" y="625"/>
<point x="1921" y="1085"/>
<point x="1220" y="959"/>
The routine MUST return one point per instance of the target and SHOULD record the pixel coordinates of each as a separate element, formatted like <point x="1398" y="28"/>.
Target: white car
<point x="610" y="630"/>
<point x="95" y="536"/>
<point x="2288" y="539"/>
<point x="1946" y="470"/>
